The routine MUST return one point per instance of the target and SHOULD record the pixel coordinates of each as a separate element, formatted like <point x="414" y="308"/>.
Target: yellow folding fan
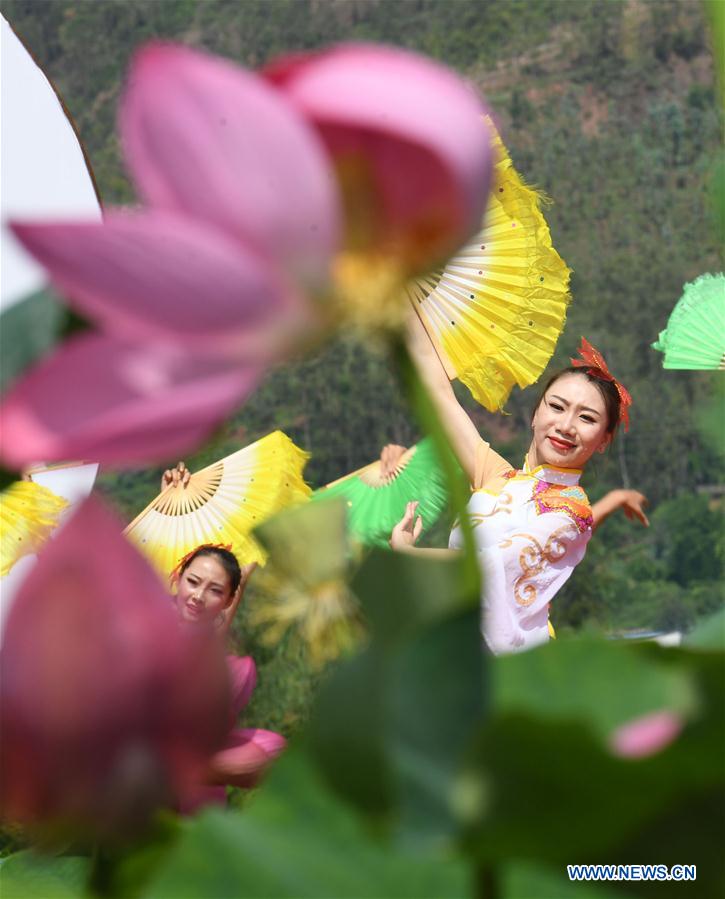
<point x="28" y="514"/>
<point x="495" y="312"/>
<point x="222" y="503"/>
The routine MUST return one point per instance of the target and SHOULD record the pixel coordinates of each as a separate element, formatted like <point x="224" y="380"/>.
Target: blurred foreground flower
<point x="647" y="735"/>
<point x="108" y="708"/>
<point x="413" y="160"/>
<point x="304" y="588"/>
<point x="243" y="183"/>
<point x="197" y="293"/>
<point x="118" y="402"/>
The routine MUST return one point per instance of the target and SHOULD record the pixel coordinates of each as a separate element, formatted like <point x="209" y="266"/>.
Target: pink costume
<point x="248" y="751"/>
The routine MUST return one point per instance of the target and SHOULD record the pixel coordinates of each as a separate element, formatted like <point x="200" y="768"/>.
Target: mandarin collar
<point x="552" y="474"/>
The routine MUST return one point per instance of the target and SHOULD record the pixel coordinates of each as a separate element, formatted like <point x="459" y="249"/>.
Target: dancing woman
<point x="208" y="585"/>
<point x="531" y="525"/>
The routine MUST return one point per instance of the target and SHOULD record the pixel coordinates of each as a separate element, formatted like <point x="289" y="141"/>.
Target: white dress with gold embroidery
<point x="531" y="531"/>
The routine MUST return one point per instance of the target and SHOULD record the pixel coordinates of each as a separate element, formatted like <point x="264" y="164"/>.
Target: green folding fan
<point x="376" y="504"/>
<point x="695" y="334"/>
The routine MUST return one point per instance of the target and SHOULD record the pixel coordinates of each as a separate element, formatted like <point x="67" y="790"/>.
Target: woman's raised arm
<point x="460" y="429"/>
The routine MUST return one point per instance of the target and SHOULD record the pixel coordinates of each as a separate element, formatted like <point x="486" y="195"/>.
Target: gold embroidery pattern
<point x="534" y="558"/>
<point x="503" y="504"/>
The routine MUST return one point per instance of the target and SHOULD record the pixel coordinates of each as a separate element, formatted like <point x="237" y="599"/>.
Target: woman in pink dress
<point x="207" y="586"/>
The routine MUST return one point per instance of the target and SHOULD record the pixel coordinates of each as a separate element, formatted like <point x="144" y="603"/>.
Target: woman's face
<point x="204" y="590"/>
<point x="570" y="423"/>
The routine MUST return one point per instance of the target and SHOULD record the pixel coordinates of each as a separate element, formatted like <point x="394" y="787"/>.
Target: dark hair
<point x="227" y="559"/>
<point x="612" y="402"/>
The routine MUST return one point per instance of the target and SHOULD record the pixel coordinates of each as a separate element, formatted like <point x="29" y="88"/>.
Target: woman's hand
<point x="175" y="476"/>
<point x="390" y="458"/>
<point x="407" y="530"/>
<point x="632" y="503"/>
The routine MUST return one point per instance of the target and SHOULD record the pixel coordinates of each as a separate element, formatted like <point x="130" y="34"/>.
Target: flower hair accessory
<point x="596" y="366"/>
<point x="176" y="573"/>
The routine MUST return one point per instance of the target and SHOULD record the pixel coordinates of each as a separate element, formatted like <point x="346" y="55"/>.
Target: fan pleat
<point x="695" y="334"/>
<point x="28" y="514"/>
<point x="496" y="311"/>
<point x="375" y="505"/>
<point x="223" y="503"/>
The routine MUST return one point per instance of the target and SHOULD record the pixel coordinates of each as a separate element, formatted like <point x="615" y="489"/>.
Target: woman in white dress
<point x="531" y="525"/>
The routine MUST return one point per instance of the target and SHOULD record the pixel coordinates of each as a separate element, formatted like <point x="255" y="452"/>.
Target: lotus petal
<point x="118" y="403"/>
<point x="155" y="276"/>
<point x="647" y="735"/>
<point x="408" y="138"/>
<point x="206" y="138"/>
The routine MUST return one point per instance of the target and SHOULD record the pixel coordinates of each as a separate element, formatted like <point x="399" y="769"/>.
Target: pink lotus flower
<point x="647" y="735"/>
<point x="108" y="708"/>
<point x="244" y="178"/>
<point x="158" y="277"/>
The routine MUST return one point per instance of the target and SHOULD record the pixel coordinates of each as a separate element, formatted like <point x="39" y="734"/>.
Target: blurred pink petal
<point x="243" y="679"/>
<point x="247" y="754"/>
<point x="647" y="735"/>
<point x="108" y="708"/>
<point x="118" y="403"/>
<point x="206" y="138"/>
<point x="408" y="138"/>
<point x="158" y="276"/>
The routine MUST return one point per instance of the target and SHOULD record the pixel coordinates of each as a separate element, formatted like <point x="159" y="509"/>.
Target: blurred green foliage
<point x="482" y="777"/>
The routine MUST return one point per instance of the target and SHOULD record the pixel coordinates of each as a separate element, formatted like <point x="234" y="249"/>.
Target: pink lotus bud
<point x="646" y="735"/>
<point x="108" y="708"/>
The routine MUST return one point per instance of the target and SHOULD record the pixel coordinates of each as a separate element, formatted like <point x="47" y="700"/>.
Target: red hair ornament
<point x="596" y="366"/>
